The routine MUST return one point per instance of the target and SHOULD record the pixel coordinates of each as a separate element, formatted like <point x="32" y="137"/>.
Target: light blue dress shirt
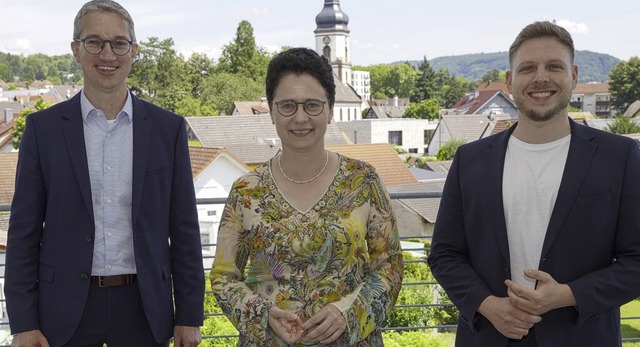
<point x="109" y="147"/>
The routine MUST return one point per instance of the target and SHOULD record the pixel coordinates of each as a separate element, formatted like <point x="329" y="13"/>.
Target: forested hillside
<point x="593" y="67"/>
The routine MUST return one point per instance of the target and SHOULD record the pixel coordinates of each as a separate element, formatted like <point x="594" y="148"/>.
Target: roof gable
<point x="391" y="169"/>
<point x="202" y="157"/>
<point x="466" y="127"/>
<point x="8" y="163"/>
<point x="633" y="110"/>
<point x="591" y="88"/>
<point x="472" y="102"/>
<point x="250" y="107"/>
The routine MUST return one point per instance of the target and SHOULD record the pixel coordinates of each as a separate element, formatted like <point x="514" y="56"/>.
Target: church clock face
<point x="326" y="40"/>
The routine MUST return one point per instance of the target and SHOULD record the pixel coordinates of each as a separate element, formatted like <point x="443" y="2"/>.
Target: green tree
<point x="198" y="68"/>
<point x="158" y="69"/>
<point x="451" y="88"/>
<point x="221" y="89"/>
<point x="623" y="125"/>
<point x="426" y="109"/>
<point x="624" y="83"/>
<point x="493" y="75"/>
<point x="243" y="57"/>
<point x="426" y="82"/>
<point x="18" y="127"/>
<point x="5" y="72"/>
<point x="448" y="150"/>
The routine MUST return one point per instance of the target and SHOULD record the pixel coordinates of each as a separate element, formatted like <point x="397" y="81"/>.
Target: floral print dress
<point x="344" y="251"/>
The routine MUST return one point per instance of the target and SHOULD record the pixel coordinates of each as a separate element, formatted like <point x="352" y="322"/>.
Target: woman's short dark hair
<point x="300" y="61"/>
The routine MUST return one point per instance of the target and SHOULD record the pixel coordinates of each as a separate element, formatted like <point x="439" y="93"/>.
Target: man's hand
<point x="184" y="336"/>
<point x="286" y="325"/>
<point x="547" y="296"/>
<point x="506" y="318"/>
<point x="325" y="326"/>
<point x="33" y="338"/>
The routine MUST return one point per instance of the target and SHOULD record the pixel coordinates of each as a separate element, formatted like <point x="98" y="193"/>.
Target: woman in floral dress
<point x="308" y="251"/>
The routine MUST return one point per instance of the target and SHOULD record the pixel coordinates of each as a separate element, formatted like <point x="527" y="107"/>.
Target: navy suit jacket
<point x="592" y="242"/>
<point x="51" y="229"/>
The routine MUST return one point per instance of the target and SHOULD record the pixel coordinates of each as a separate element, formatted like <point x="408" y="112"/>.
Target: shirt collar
<point x="86" y="107"/>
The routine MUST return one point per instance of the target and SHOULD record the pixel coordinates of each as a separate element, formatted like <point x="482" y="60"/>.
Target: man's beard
<point x="543" y="117"/>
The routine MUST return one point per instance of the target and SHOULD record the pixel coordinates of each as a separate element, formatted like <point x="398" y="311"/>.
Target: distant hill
<point x="593" y="67"/>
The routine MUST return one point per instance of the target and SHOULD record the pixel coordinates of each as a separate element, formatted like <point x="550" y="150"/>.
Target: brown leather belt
<point x="113" y="281"/>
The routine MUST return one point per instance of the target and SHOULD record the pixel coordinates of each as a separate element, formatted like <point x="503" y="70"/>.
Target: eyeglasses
<point x="288" y="107"/>
<point x="95" y="46"/>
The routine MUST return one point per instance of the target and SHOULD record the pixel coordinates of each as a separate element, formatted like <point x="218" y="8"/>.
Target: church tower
<point x="332" y="39"/>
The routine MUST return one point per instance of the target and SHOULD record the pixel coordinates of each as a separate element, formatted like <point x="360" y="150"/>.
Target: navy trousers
<point x="114" y="316"/>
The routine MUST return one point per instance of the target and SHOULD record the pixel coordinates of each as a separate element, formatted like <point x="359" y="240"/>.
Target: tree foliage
<point x="448" y="150"/>
<point x="18" y="127"/>
<point x="426" y="109"/>
<point x="623" y="125"/>
<point x="426" y="82"/>
<point x="60" y="69"/>
<point x="243" y="57"/>
<point x="222" y="89"/>
<point x="624" y="83"/>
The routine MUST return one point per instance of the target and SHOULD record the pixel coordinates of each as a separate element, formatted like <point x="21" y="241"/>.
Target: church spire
<point x="331" y="18"/>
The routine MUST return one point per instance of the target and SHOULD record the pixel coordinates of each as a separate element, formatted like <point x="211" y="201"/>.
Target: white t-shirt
<point x="532" y="175"/>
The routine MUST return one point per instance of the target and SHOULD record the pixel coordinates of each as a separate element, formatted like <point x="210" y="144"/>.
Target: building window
<point x="413" y="150"/>
<point x="327" y="52"/>
<point x="428" y="135"/>
<point x="395" y="137"/>
<point x="211" y="213"/>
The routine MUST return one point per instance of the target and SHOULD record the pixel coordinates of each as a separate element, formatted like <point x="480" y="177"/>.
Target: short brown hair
<point x="542" y="29"/>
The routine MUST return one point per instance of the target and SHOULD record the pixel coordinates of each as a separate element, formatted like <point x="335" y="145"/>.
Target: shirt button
<point x="108" y="167"/>
<point x="88" y="238"/>
<point x="109" y="234"/>
<point x="108" y="201"/>
<point x="109" y="266"/>
<point x="84" y="276"/>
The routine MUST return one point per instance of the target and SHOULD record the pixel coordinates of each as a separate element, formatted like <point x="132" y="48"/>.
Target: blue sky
<point x="381" y="31"/>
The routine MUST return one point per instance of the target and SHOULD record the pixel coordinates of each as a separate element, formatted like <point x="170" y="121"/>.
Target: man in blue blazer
<point x="537" y="240"/>
<point x="104" y="243"/>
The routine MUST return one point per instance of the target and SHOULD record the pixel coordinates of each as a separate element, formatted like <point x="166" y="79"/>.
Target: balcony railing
<point x="4" y="323"/>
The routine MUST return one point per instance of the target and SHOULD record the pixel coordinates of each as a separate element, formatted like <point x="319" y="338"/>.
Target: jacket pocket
<point x="46" y="273"/>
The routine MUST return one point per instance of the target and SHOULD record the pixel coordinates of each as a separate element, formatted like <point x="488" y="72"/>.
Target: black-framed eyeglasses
<point x="95" y="46"/>
<point x="288" y="107"/>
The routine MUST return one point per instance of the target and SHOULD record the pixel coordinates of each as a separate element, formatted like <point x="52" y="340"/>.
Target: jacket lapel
<point x="73" y="132"/>
<point x="581" y="152"/>
<point x="141" y="138"/>
<point x="494" y="173"/>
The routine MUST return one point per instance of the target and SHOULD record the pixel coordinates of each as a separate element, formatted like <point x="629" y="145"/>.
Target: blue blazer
<point x="51" y="229"/>
<point x="592" y="242"/>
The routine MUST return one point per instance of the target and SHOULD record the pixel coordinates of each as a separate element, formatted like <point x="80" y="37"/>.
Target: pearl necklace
<point x="326" y="161"/>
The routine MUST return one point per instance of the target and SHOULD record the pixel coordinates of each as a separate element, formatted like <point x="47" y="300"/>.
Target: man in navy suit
<point x="537" y="240"/>
<point x="103" y="243"/>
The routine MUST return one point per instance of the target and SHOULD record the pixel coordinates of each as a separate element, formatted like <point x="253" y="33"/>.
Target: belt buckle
<point x="101" y="282"/>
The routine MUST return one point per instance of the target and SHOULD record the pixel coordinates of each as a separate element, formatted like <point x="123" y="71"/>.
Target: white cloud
<point x="23" y="44"/>
<point x="573" y="27"/>
<point x="260" y="10"/>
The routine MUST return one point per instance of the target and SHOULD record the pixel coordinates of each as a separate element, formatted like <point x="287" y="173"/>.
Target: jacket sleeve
<point x="24" y="235"/>
<point x="612" y="286"/>
<point x="449" y="257"/>
<point x="367" y="307"/>
<point x="186" y="248"/>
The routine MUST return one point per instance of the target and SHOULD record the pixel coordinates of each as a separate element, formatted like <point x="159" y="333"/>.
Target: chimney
<point x="8" y="115"/>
